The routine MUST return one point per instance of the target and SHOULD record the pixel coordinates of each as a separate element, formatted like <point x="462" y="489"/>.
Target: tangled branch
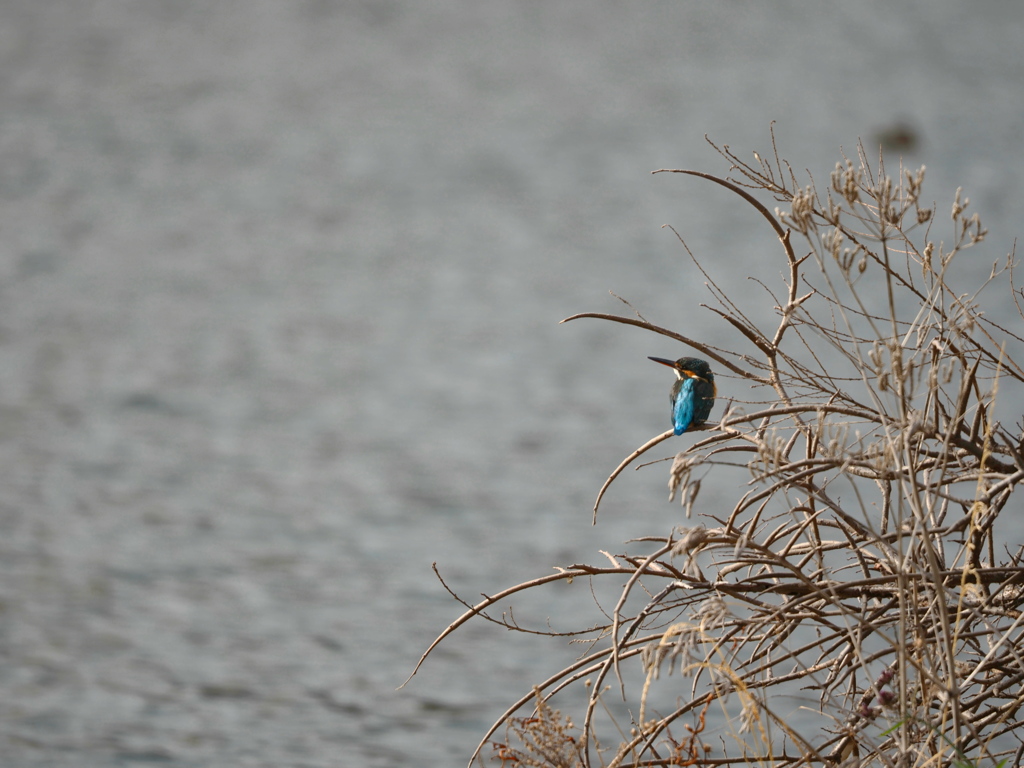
<point x="863" y="560"/>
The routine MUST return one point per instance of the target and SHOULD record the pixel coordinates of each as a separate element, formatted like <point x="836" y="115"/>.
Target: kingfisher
<point x="693" y="394"/>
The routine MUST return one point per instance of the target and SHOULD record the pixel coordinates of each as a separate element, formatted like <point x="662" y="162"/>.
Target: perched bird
<point x="693" y="394"/>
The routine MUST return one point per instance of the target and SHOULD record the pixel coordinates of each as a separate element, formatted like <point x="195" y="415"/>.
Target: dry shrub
<point x="861" y="570"/>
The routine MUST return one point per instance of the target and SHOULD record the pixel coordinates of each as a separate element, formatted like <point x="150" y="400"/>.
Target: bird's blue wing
<point x="705" y="400"/>
<point x="683" y="408"/>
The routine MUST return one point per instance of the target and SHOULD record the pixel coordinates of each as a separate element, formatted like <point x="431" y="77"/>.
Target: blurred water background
<point x="280" y="285"/>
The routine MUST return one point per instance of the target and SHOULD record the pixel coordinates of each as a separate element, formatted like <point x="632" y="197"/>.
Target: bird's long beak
<point x="663" y="361"/>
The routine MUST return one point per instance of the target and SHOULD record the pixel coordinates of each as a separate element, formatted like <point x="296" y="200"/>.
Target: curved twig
<point x="703" y="348"/>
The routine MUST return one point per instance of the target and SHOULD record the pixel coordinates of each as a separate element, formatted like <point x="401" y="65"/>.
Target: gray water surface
<point x="281" y="284"/>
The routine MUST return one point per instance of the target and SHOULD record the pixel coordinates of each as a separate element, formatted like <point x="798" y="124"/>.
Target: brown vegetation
<point x="862" y="569"/>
